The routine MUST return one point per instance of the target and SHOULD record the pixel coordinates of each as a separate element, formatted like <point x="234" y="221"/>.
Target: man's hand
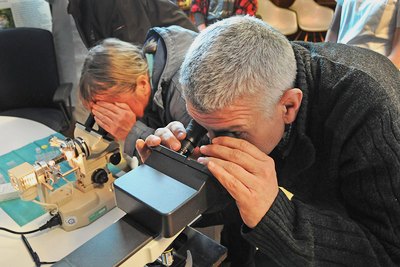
<point x="116" y="118"/>
<point x="170" y="136"/>
<point x="247" y="173"/>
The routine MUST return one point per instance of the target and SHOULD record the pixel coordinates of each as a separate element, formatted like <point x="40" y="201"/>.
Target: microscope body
<point x="93" y="193"/>
<point x="88" y="197"/>
<point x="161" y="198"/>
<point x="169" y="192"/>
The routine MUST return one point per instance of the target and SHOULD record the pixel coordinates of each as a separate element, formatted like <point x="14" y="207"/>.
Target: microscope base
<point x="85" y="207"/>
<point x="120" y="242"/>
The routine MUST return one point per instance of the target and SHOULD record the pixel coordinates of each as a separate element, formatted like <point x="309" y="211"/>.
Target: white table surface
<point x="52" y="244"/>
<point x="17" y="132"/>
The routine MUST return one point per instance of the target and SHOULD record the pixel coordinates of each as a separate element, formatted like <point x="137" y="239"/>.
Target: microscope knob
<point x="115" y="158"/>
<point x="100" y="176"/>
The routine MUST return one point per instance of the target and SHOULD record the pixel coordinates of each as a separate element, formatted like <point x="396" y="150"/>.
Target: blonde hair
<point x="111" y="64"/>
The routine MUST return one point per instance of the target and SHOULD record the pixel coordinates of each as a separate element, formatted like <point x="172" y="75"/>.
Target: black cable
<point x="54" y="221"/>
<point x="33" y="254"/>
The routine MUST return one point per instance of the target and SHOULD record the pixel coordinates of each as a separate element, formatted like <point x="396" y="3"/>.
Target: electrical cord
<point x="54" y="221"/>
<point x="34" y="255"/>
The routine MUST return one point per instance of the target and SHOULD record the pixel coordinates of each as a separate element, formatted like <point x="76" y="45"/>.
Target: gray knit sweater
<point x="342" y="164"/>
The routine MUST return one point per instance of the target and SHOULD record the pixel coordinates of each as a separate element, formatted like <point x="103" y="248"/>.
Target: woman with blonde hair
<point x="132" y="91"/>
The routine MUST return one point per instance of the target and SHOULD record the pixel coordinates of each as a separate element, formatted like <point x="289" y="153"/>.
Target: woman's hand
<point x="116" y="118"/>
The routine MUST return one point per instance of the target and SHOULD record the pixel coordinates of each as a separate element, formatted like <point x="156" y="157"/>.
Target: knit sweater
<point x="342" y="164"/>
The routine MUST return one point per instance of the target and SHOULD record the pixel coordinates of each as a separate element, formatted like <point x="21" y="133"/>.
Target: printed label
<point x="97" y="214"/>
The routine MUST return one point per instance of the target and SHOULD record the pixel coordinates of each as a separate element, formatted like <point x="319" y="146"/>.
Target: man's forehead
<point x="219" y="123"/>
<point x="231" y="117"/>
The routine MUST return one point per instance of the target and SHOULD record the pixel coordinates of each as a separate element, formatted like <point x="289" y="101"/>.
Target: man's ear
<point x="143" y="85"/>
<point x="290" y="102"/>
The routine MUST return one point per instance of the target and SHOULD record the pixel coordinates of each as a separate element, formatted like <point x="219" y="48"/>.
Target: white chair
<point x="312" y="18"/>
<point x="282" y="19"/>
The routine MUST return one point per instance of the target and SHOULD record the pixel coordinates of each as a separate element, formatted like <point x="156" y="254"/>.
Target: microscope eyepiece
<point x="194" y="134"/>
<point x="89" y="123"/>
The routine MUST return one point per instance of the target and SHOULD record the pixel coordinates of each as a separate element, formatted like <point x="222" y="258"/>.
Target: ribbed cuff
<point x="275" y="226"/>
<point x="140" y="130"/>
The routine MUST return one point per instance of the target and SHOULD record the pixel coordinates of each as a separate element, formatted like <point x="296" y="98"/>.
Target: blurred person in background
<point x="372" y="24"/>
<point x="207" y="12"/>
<point x="127" y="20"/>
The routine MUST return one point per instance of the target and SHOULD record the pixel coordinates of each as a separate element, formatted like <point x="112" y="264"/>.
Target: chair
<point x="282" y="19"/>
<point x="312" y="18"/>
<point x="29" y="81"/>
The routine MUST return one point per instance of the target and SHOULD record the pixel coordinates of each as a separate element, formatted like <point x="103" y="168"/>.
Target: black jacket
<point x="127" y="20"/>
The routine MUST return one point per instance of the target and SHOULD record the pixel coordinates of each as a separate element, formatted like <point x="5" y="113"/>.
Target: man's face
<point x="246" y="121"/>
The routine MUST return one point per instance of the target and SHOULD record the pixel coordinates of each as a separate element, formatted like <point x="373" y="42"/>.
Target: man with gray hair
<point x="319" y="120"/>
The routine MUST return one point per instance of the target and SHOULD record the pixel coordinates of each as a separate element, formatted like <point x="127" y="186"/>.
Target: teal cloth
<point x="23" y="212"/>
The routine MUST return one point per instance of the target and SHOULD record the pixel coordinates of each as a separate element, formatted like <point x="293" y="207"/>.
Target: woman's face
<point x="136" y="99"/>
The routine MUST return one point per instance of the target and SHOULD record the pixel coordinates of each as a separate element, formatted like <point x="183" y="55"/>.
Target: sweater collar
<point x="296" y="152"/>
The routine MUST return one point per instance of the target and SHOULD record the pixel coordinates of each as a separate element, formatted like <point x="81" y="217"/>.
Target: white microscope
<point x="88" y="197"/>
<point x="161" y="198"/>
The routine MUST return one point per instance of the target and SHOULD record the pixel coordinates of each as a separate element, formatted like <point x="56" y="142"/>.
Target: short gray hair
<point x="235" y="57"/>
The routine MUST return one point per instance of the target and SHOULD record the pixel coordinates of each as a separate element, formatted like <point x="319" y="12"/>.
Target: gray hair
<point x="235" y="57"/>
<point x="112" y="63"/>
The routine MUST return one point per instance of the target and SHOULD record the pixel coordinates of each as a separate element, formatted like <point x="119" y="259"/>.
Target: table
<point x="17" y="132"/>
<point x="52" y="244"/>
